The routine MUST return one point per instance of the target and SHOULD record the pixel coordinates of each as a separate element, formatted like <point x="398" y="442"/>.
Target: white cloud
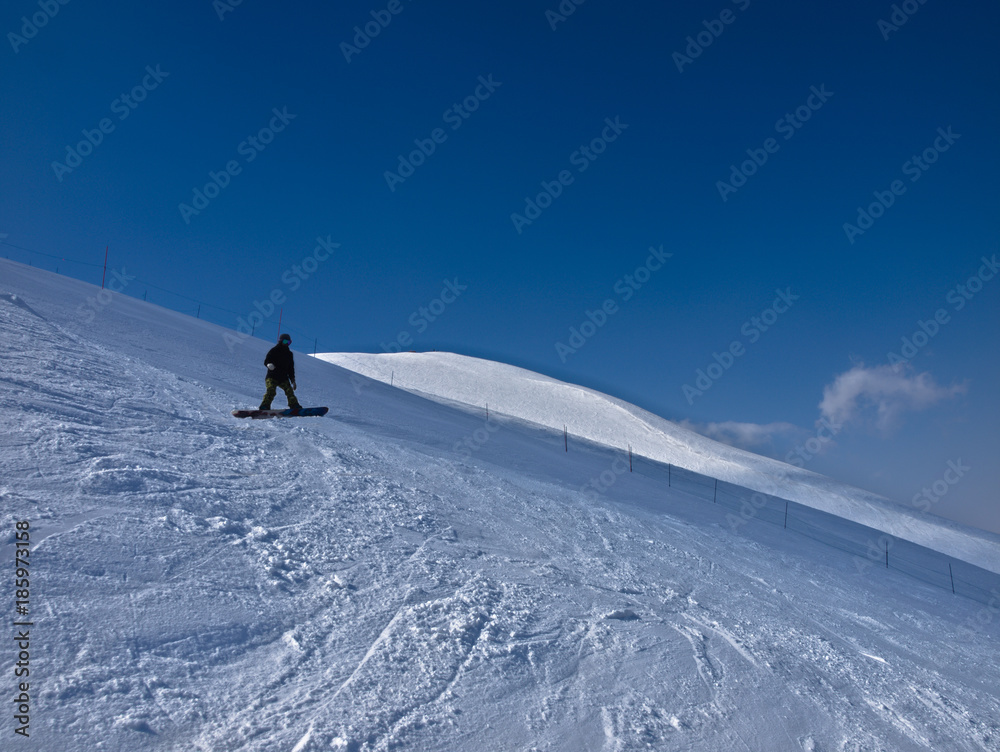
<point x="881" y="394"/>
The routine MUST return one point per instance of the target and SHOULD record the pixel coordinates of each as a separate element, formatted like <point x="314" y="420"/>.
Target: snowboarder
<point x="280" y="374"/>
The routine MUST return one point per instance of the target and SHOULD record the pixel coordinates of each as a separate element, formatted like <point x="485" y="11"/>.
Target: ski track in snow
<point x="354" y="583"/>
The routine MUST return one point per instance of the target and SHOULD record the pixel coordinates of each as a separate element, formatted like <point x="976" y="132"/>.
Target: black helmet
<point x="285" y="339"/>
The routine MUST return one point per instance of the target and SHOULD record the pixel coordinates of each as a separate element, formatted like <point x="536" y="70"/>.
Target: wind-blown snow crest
<point x="604" y="419"/>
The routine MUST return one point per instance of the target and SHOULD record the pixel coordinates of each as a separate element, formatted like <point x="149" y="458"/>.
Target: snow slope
<point x="606" y="420"/>
<point x="359" y="582"/>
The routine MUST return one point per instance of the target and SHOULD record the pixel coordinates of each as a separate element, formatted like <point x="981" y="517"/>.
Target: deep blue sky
<point x="323" y="175"/>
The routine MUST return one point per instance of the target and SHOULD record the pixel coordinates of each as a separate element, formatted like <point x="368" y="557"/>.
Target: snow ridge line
<point x="452" y="378"/>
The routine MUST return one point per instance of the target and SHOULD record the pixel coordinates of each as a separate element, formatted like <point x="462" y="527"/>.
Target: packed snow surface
<point x="598" y="417"/>
<point x="406" y="575"/>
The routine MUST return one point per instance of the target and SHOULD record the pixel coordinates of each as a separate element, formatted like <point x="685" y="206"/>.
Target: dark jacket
<point x="284" y="364"/>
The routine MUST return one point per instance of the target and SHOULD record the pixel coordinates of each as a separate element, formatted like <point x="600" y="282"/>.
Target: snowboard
<point x="302" y="412"/>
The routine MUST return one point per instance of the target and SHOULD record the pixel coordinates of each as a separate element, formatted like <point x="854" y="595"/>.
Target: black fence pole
<point x="669" y="473"/>
<point x="715" y="496"/>
<point x="952" y="574"/>
<point x="786" y="515"/>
